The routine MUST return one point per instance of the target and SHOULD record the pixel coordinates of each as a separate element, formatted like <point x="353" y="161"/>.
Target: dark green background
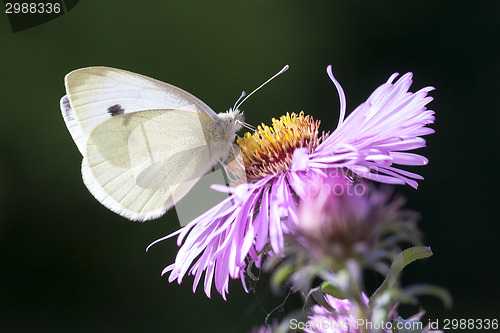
<point x="67" y="264"/>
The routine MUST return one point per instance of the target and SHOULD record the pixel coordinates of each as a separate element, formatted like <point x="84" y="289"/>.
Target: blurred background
<point x="67" y="264"/>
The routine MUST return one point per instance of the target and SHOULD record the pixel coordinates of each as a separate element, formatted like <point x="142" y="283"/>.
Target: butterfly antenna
<point x="284" y="69"/>
<point x="243" y="94"/>
<point x="244" y="124"/>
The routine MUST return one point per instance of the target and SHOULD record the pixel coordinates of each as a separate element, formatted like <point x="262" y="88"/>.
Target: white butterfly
<point x="144" y="142"/>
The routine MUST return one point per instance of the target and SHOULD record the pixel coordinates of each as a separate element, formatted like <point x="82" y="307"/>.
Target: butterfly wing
<point x="139" y="164"/>
<point x="96" y="94"/>
<point x="143" y="141"/>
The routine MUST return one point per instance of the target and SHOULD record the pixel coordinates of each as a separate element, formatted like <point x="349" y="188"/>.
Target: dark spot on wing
<point x="115" y="110"/>
<point x="66" y="108"/>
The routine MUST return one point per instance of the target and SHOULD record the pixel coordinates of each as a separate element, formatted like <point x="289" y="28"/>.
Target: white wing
<point x="142" y="140"/>
<point x="96" y="94"/>
<point x="136" y="164"/>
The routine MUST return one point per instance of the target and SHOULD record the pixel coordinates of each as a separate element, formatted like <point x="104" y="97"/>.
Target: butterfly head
<point x="233" y="120"/>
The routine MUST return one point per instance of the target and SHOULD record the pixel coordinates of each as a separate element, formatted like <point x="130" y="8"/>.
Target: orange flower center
<point x="269" y="150"/>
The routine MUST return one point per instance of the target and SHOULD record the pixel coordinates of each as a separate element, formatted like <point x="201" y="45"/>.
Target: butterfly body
<point x="221" y="134"/>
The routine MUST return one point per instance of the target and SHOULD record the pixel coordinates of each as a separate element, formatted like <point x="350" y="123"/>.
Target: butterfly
<point x="144" y="143"/>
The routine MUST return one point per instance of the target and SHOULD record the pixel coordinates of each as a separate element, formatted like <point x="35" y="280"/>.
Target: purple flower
<point x="343" y="225"/>
<point x="378" y="133"/>
<point x="280" y="161"/>
<point x="344" y="317"/>
<point x="342" y="218"/>
<point x="341" y="318"/>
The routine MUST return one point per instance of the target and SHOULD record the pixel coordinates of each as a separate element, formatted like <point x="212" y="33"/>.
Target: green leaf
<point x="332" y="290"/>
<point x="401" y="260"/>
<point x="282" y="274"/>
